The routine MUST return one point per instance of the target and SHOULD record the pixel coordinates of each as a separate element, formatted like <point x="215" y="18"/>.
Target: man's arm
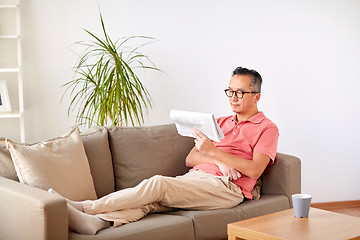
<point x="195" y="157"/>
<point x="211" y="154"/>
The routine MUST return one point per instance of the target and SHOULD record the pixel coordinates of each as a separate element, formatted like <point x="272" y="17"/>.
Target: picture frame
<point x="5" y="105"/>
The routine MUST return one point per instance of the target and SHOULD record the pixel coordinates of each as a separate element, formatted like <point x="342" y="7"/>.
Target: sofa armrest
<point x="283" y="177"/>
<point x="30" y="213"/>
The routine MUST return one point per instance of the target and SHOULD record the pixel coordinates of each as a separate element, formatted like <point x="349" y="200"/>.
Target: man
<point x="222" y="173"/>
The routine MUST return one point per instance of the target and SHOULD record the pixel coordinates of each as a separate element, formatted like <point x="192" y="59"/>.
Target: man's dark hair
<point x="256" y="79"/>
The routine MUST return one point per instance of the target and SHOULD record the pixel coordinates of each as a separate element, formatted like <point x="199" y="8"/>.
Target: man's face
<point x="249" y="101"/>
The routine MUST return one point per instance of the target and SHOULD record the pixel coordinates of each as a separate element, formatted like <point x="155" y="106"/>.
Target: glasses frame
<point x="236" y="93"/>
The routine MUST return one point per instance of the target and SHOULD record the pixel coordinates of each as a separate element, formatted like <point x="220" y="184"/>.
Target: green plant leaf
<point x="105" y="88"/>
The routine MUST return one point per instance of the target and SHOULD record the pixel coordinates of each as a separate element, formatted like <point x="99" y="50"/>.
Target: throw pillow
<point x="58" y="163"/>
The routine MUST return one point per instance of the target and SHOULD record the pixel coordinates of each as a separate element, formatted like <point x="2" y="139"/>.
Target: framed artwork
<point x="4" y="97"/>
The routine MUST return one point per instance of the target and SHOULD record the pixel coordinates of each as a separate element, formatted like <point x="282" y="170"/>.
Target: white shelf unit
<point x="17" y="68"/>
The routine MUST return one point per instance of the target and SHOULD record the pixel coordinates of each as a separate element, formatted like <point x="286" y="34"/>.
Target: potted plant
<point x="105" y="87"/>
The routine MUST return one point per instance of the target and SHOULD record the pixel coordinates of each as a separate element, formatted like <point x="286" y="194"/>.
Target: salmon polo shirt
<point x="255" y="135"/>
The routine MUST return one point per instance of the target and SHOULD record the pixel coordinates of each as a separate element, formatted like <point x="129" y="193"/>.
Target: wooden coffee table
<point x="320" y="224"/>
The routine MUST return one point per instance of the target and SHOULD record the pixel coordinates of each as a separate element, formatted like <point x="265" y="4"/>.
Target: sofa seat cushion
<point x="268" y="203"/>
<point x="141" y="152"/>
<point x="153" y="226"/>
<point x="213" y="224"/>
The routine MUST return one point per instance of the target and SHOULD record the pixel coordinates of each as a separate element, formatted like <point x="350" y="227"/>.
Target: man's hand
<point x="202" y="143"/>
<point x="228" y="171"/>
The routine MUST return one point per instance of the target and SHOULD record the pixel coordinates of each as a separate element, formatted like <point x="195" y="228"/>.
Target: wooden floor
<point x="347" y="207"/>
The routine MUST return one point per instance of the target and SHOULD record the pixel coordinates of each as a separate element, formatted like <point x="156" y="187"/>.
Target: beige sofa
<point x="121" y="158"/>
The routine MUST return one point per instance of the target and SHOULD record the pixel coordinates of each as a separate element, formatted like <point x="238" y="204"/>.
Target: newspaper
<point x="205" y="122"/>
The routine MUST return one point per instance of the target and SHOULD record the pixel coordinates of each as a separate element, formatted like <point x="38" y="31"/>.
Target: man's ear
<point x="257" y="97"/>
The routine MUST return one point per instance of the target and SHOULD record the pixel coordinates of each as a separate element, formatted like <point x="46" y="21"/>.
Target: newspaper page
<point x="205" y="122"/>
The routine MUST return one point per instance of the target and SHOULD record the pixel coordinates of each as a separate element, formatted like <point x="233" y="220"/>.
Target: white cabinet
<point x="11" y="63"/>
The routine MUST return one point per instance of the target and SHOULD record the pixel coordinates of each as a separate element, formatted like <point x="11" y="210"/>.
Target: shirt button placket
<point x="237" y="128"/>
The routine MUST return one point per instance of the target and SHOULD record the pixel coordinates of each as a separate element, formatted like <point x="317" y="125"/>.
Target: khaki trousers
<point x="195" y="190"/>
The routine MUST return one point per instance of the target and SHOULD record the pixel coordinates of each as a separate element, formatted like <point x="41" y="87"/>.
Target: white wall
<point x="308" y="53"/>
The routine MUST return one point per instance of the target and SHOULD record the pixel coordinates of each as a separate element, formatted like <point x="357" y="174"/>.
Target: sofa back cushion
<point x="97" y="150"/>
<point x="142" y="152"/>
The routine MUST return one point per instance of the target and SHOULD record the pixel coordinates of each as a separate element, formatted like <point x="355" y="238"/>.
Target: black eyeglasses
<point x="238" y="94"/>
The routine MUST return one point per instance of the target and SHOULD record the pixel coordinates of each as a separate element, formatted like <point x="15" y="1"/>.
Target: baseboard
<point x="337" y="205"/>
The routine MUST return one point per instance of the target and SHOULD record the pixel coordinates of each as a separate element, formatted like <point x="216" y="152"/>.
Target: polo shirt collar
<point x="257" y="118"/>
